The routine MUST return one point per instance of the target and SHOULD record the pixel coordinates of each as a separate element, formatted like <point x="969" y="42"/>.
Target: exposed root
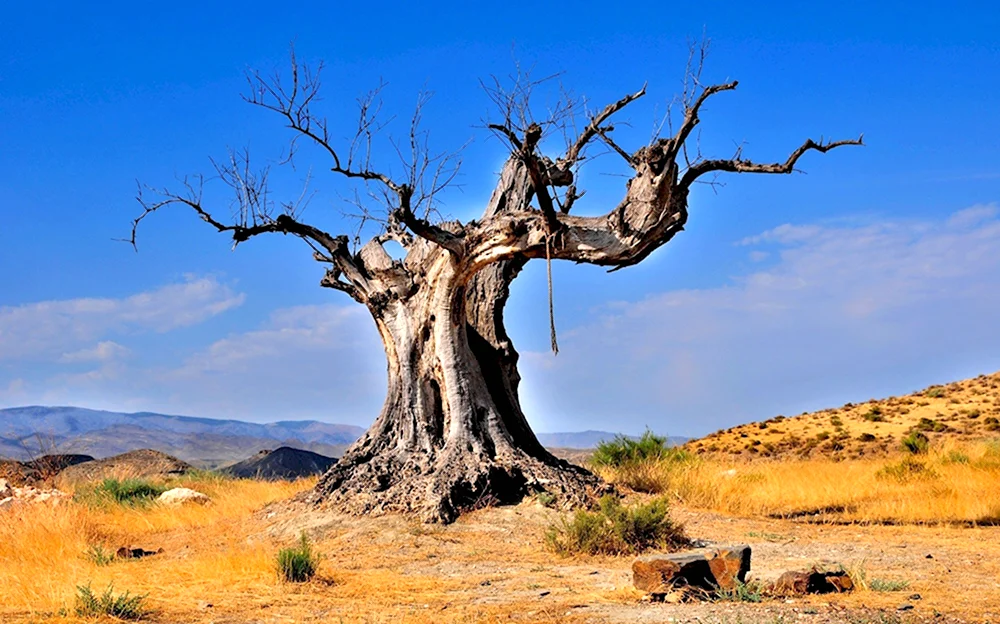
<point x="439" y="490"/>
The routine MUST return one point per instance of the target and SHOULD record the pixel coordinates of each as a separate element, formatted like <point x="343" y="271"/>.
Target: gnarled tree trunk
<point x="451" y="434"/>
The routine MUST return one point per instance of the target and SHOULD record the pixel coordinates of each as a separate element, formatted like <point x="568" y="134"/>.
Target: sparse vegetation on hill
<point x="962" y="412"/>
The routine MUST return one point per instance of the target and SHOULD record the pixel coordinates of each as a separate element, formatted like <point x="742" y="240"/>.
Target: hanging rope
<point x="552" y="308"/>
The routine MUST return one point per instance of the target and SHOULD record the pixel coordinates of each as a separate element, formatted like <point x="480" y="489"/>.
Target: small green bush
<point x="956" y="457"/>
<point x="547" y="499"/>
<point x="98" y="556"/>
<point x="623" y="450"/>
<point x="883" y="585"/>
<point x="929" y="424"/>
<point x="874" y="415"/>
<point x="751" y="591"/>
<point x="916" y="442"/>
<point x="614" y="529"/>
<point x="934" y="393"/>
<point x="909" y="469"/>
<point x="122" y="606"/>
<point x="298" y="564"/>
<point x="126" y="492"/>
<point x="866" y="437"/>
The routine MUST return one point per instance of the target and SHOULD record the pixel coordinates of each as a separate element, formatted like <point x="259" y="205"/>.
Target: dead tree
<point x="451" y="433"/>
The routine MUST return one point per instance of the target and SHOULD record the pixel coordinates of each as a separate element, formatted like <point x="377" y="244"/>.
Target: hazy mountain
<point x="27" y="431"/>
<point x="30" y="431"/>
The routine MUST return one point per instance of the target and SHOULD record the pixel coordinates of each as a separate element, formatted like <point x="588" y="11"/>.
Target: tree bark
<point x="451" y="435"/>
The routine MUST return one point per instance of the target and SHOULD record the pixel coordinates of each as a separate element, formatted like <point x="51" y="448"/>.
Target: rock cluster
<point x="11" y="496"/>
<point x="708" y="569"/>
<point x="813" y="581"/>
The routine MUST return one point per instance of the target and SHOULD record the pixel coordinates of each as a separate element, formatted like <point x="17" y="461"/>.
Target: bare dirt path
<point x="491" y="566"/>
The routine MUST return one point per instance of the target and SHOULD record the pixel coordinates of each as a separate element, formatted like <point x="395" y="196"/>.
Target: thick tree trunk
<point x="451" y="435"/>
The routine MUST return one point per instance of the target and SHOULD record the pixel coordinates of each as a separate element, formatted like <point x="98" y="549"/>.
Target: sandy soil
<point x="490" y="566"/>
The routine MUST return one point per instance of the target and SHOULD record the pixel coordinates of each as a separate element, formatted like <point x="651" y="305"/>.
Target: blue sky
<point x="874" y="273"/>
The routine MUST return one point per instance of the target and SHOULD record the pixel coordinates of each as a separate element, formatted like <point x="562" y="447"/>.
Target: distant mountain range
<point x="208" y="442"/>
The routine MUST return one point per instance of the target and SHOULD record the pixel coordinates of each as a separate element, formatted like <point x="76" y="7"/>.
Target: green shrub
<point x="623" y="450"/>
<point x="935" y="392"/>
<point x="614" y="529"/>
<point x="874" y="415"/>
<point x="298" y="564"/>
<point x="916" y="442"/>
<point x="956" y="457"/>
<point x="98" y="556"/>
<point x="751" y="591"/>
<point x="929" y="424"/>
<point x="866" y="437"/>
<point x="907" y="470"/>
<point x="122" y="606"/>
<point x="883" y="585"/>
<point x="127" y="492"/>
<point x="547" y="499"/>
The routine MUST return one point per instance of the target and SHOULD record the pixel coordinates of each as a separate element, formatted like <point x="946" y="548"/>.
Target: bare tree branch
<point x="740" y="165"/>
<point x="595" y="127"/>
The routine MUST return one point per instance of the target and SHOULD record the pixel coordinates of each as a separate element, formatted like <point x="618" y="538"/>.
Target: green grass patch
<point x="298" y="564"/>
<point x="884" y="585"/>
<point x="125" y="492"/>
<point x="614" y="529"/>
<point x="750" y="591"/>
<point x="98" y="556"/>
<point x="123" y="606"/>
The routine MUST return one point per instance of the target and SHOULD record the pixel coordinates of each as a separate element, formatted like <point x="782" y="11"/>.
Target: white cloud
<point x="844" y="312"/>
<point x="101" y="352"/>
<point x="49" y="329"/>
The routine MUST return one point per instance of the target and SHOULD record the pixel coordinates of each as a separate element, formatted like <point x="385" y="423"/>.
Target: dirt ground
<point x="491" y="566"/>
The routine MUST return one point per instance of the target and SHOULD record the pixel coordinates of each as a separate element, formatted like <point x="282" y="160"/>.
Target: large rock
<point x="813" y="581"/>
<point x="182" y="496"/>
<point x="707" y="568"/>
<point x="5" y="491"/>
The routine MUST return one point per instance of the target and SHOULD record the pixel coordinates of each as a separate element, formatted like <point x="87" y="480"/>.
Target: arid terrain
<point x="918" y="531"/>
<point x="959" y="412"/>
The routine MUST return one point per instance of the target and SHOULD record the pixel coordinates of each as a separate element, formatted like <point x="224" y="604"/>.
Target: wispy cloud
<point x="74" y="329"/>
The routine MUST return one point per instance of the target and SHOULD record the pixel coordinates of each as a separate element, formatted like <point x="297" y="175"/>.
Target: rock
<point x="10" y="496"/>
<point x="135" y="553"/>
<point x="708" y="569"/>
<point x="813" y="581"/>
<point x="181" y="496"/>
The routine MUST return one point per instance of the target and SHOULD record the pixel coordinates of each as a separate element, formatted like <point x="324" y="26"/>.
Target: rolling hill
<point x="963" y="411"/>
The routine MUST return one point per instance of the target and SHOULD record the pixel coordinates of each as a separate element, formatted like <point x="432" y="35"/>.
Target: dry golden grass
<point x="957" y="483"/>
<point x="960" y="412"/>
<point x="43" y="549"/>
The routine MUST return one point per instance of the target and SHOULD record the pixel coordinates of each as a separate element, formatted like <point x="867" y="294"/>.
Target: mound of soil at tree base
<point x="51" y="465"/>
<point x="144" y="463"/>
<point x="283" y="463"/>
<point x="18" y="474"/>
